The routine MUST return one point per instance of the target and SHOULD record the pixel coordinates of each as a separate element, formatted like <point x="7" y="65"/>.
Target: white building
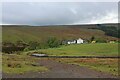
<point x="71" y="42"/>
<point x="79" y="41"/>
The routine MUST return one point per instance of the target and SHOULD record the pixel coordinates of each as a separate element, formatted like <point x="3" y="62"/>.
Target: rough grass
<point x="103" y="65"/>
<point x="20" y="64"/>
<point x="98" y="49"/>
<point x="41" y="33"/>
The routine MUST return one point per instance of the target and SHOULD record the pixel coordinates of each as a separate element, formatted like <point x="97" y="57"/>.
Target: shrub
<point x="92" y="38"/>
<point x="43" y="45"/>
<point x="33" y="45"/>
<point x="53" y="42"/>
<point x="101" y="41"/>
<point x="26" y="49"/>
<point x="9" y="47"/>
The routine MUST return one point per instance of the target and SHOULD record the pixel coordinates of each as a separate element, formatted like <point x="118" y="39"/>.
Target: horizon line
<point x="56" y="24"/>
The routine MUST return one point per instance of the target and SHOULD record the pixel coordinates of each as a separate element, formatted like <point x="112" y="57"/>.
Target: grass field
<point x="19" y="64"/>
<point x="98" y="49"/>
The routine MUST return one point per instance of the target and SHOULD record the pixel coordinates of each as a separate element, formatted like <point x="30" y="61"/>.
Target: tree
<point x="101" y="41"/>
<point x="53" y="42"/>
<point x="33" y="45"/>
<point x="92" y="38"/>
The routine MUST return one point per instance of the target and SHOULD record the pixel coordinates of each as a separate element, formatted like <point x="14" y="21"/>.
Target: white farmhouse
<point x="79" y="41"/>
<point x="71" y="42"/>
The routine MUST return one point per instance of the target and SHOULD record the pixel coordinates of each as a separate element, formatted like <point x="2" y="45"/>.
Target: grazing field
<point x="19" y="64"/>
<point x="102" y="65"/>
<point x="98" y="49"/>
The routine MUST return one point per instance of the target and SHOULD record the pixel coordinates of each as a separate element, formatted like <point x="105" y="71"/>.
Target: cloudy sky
<point x="59" y="13"/>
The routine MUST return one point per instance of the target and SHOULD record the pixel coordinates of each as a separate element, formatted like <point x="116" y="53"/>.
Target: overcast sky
<point x="54" y="13"/>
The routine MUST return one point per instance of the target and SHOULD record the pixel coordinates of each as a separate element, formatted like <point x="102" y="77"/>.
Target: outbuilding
<point x="75" y="41"/>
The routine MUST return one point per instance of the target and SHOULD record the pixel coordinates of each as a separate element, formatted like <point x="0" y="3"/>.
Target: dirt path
<point x="61" y="70"/>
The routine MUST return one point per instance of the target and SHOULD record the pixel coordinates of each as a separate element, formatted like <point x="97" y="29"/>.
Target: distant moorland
<point x="13" y="33"/>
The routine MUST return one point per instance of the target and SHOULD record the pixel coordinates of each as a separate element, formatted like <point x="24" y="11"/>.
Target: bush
<point x="43" y="45"/>
<point x="26" y="49"/>
<point x="9" y="47"/>
<point x="53" y="42"/>
<point x="92" y="38"/>
<point x="33" y="45"/>
<point x="101" y="41"/>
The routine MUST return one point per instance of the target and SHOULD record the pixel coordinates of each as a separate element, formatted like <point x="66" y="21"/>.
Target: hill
<point x="13" y="33"/>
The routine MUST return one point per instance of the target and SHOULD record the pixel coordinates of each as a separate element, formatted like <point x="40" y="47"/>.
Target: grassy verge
<point x="103" y="65"/>
<point x="98" y="49"/>
<point x="20" y="64"/>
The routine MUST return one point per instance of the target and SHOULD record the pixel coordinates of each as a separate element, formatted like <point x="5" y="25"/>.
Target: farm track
<point x="60" y="70"/>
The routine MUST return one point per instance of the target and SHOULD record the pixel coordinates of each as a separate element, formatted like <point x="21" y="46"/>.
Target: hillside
<point x="15" y="33"/>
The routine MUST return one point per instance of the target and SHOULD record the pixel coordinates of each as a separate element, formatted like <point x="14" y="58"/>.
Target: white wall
<point x="79" y="41"/>
<point x="71" y="42"/>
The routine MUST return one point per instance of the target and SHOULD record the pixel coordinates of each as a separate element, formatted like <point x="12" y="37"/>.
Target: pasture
<point x="98" y="49"/>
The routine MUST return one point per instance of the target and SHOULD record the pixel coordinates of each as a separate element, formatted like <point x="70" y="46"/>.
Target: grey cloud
<point x="55" y="13"/>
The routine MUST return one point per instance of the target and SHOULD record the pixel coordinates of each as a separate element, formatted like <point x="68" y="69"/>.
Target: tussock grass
<point x="19" y="64"/>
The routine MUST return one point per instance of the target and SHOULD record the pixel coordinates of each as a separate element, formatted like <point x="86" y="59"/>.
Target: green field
<point x="98" y="49"/>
